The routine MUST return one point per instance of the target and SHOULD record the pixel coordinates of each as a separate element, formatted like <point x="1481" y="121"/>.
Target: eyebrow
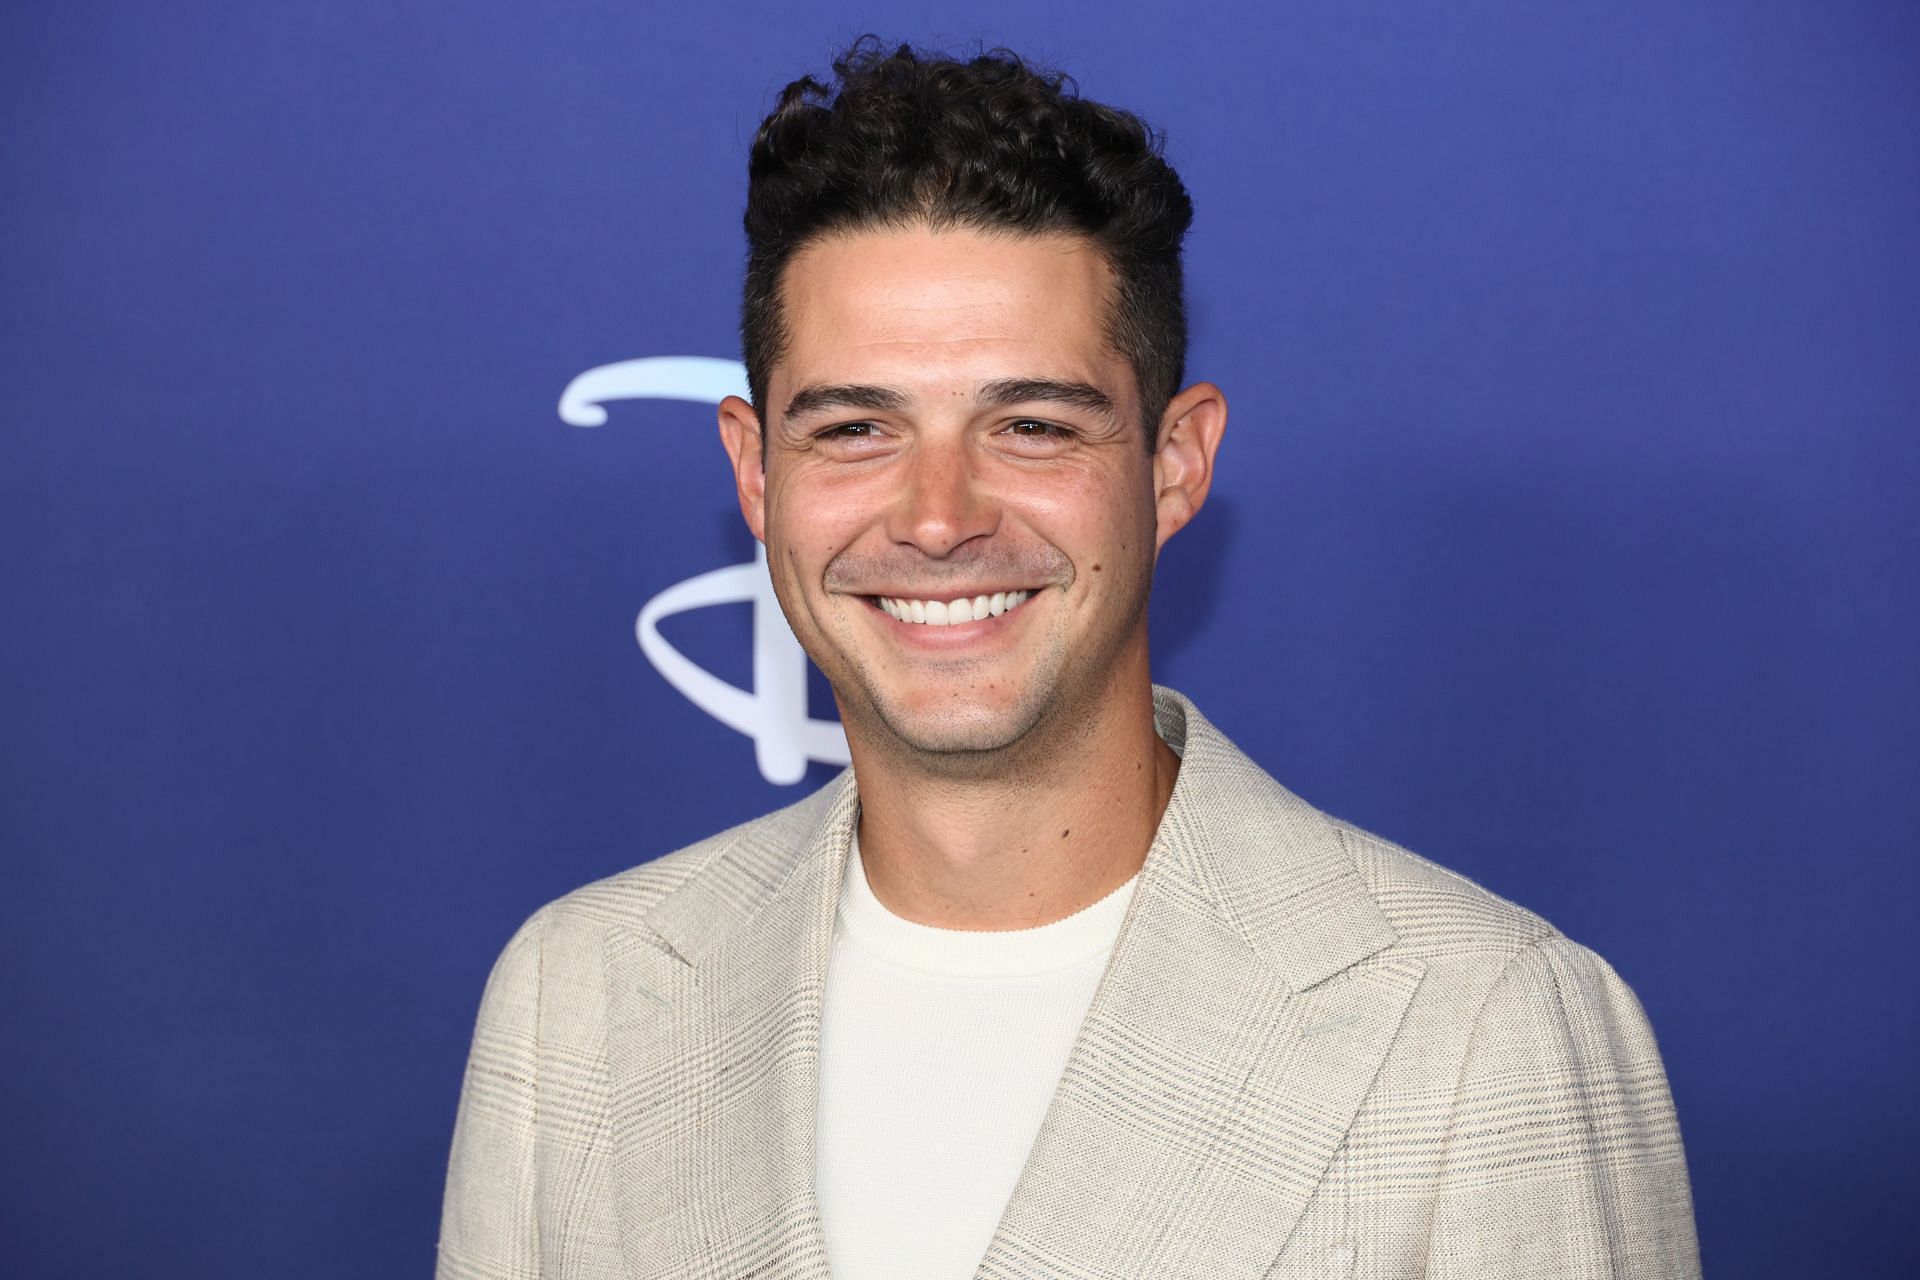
<point x="1079" y="395"/>
<point x="845" y="396"/>
<point x="1000" y="393"/>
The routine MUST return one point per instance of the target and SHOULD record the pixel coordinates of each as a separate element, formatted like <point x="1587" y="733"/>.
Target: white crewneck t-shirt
<point x="939" y="1052"/>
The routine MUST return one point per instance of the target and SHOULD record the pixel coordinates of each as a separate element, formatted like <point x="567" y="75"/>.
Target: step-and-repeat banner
<point x="372" y="573"/>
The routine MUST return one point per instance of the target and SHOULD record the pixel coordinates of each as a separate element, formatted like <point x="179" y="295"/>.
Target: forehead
<point x="914" y="306"/>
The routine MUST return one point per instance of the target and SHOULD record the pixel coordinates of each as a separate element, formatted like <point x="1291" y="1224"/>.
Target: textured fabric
<point x="939" y="1052"/>
<point x="1312" y="1055"/>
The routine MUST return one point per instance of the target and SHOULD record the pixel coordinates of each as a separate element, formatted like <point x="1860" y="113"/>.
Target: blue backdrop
<point x="1572" y="353"/>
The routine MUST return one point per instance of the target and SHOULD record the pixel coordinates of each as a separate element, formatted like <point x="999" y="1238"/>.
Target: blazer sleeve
<point x="489" y="1225"/>
<point x="1563" y="1154"/>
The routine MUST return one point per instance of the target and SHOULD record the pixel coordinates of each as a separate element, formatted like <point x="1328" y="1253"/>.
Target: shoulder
<point x="1437" y="912"/>
<point x="1271" y="846"/>
<point x="1493" y="963"/>
<point x="580" y="921"/>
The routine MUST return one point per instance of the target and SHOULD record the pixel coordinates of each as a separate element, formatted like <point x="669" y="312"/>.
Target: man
<point x="1063" y="984"/>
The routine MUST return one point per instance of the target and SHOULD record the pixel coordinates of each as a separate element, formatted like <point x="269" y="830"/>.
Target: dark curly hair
<point x="907" y="137"/>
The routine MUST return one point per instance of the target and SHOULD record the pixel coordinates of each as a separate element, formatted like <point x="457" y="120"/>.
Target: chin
<point x="955" y="730"/>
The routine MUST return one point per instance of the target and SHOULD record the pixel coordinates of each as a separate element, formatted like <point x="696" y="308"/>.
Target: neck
<point x="1064" y="825"/>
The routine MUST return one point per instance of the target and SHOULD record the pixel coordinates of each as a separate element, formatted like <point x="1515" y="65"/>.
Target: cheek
<point x="811" y="521"/>
<point x="810" y="516"/>
<point x="1094" y="519"/>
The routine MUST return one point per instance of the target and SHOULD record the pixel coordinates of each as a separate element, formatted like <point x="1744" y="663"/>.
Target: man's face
<point x="948" y="423"/>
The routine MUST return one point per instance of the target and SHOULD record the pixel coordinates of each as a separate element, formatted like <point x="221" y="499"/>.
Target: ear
<point x="1190" y="432"/>
<point x="741" y="435"/>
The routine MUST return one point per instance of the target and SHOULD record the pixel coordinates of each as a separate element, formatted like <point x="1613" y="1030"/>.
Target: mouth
<point x="947" y="613"/>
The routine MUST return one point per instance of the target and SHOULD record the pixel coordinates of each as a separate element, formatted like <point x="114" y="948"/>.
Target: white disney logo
<point x="774" y="712"/>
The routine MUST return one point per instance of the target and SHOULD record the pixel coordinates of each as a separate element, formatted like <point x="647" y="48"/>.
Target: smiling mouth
<point x="945" y="613"/>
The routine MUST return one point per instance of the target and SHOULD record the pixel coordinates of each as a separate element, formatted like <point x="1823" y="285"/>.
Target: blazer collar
<point x="1216" y="1043"/>
<point x="1232" y="1040"/>
<point x="714" y="1053"/>
<point x="1273" y="865"/>
<point x="755" y="869"/>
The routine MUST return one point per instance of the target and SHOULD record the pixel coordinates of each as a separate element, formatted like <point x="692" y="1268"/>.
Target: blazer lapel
<point x="1230" y="1044"/>
<point x="715" y="1054"/>
<point x="1228" y="1048"/>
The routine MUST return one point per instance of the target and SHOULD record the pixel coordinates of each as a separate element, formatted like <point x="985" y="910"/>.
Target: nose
<point x="941" y="504"/>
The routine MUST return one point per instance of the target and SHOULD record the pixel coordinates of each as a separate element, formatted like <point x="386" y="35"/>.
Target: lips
<point x="943" y="613"/>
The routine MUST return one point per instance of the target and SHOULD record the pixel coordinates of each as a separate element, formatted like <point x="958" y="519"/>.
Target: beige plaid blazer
<point x="1313" y="1054"/>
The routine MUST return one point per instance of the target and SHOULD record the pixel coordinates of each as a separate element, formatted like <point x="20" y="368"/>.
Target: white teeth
<point x="942" y="613"/>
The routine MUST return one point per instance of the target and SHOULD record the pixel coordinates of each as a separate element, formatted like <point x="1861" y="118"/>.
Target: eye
<point x="853" y="441"/>
<point x="1036" y="429"/>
